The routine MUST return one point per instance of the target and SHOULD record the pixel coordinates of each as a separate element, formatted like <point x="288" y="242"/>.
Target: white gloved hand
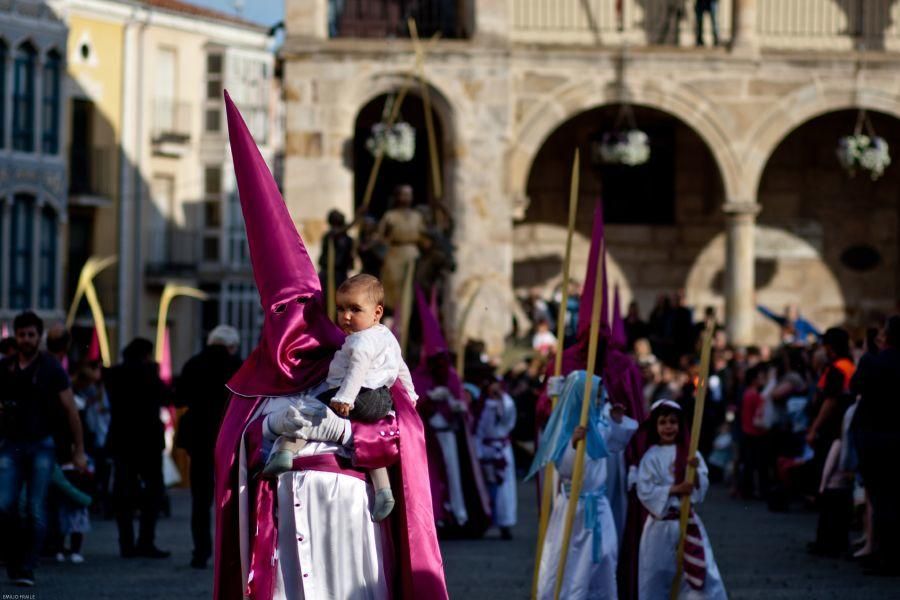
<point x="555" y="385"/>
<point x="439" y="394"/>
<point x="286" y="421"/>
<point x="321" y="425"/>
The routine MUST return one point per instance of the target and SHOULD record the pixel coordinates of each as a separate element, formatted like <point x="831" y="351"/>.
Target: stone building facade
<point x="152" y="164"/>
<point x="755" y="207"/>
<point x="33" y="199"/>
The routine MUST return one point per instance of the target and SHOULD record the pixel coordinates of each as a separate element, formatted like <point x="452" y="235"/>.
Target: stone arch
<point x="679" y="101"/>
<point x="802" y="190"/>
<point x="365" y="90"/>
<point x="800" y="107"/>
<point x="369" y="88"/>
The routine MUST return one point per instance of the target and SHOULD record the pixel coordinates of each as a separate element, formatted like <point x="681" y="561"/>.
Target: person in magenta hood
<point x="308" y="534"/>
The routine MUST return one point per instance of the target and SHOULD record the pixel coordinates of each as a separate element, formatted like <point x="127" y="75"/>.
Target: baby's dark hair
<point x="367" y="284"/>
<point x="664" y="410"/>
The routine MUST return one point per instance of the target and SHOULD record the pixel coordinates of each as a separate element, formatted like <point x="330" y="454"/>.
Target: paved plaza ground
<point x="761" y="556"/>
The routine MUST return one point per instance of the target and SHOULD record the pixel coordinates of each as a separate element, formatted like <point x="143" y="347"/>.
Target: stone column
<point x="740" y="257"/>
<point x="306" y="18"/>
<point x="491" y="20"/>
<point x="743" y="29"/>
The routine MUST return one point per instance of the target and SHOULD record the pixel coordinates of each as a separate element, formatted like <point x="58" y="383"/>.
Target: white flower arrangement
<point x="630" y="148"/>
<point x="870" y="153"/>
<point x="396" y="143"/>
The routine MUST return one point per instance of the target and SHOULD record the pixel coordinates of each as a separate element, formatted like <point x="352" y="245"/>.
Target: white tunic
<point x="369" y="358"/>
<point x="496" y="422"/>
<point x="585" y="578"/>
<point x="446" y="439"/>
<point x="659" y="541"/>
<point x="328" y="545"/>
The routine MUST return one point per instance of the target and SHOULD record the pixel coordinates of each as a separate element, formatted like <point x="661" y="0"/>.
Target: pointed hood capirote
<point x="590" y="283"/>
<point x="433" y="341"/>
<point x="298" y="339"/>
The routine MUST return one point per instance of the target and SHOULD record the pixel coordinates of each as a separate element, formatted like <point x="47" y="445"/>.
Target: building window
<point x="238" y="249"/>
<point x="164" y="118"/>
<point x="212" y="213"/>
<point x="21" y="258"/>
<point x="47" y="260"/>
<point x="214" y="76"/>
<point x="23" y="98"/>
<point x="50" y="104"/>
<point x="3" y="54"/>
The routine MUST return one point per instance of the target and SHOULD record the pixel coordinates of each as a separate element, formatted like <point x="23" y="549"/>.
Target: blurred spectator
<point x="543" y="341"/>
<point x="343" y="250"/>
<point x="754" y="427"/>
<point x="201" y="388"/>
<point x="59" y="340"/>
<point x="701" y="8"/>
<point x="7" y="347"/>
<point x="635" y="327"/>
<point x="877" y="430"/>
<point x="33" y="386"/>
<point x="135" y="443"/>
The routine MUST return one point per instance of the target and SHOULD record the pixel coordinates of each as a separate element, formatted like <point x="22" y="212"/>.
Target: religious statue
<point x="402" y="228"/>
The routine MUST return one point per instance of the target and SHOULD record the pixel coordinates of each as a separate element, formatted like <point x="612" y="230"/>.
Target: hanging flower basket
<point x="630" y="148"/>
<point x="396" y="143"/>
<point x="860" y="151"/>
<point x="865" y="151"/>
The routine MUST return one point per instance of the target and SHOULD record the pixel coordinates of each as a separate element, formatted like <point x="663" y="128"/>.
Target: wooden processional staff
<point x="580" y="446"/>
<point x="691" y="472"/>
<point x="549" y="475"/>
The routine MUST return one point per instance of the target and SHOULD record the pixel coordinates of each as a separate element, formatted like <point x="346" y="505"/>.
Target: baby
<point x="359" y="378"/>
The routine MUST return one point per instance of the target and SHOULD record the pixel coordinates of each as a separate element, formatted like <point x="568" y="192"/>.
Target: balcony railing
<point x="92" y="173"/>
<point x="172" y="251"/>
<point x="787" y="24"/>
<point x="171" y="121"/>
<point x="388" y="18"/>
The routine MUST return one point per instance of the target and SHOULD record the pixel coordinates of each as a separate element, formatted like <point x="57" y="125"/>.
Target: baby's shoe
<point x="280" y="461"/>
<point x="384" y="504"/>
<point x="60" y="557"/>
<point x="76" y="558"/>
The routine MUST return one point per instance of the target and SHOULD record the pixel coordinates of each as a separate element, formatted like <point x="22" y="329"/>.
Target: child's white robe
<point x="584" y="578"/>
<point x="659" y="541"/>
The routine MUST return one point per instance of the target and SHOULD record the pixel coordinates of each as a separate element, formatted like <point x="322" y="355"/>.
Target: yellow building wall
<point x="98" y="78"/>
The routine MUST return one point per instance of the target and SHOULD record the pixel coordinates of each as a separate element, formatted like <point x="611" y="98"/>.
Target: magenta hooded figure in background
<point x="461" y="502"/>
<point x="269" y="544"/>
<point x="624" y="384"/>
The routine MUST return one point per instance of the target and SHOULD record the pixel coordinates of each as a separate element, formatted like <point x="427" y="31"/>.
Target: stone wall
<point x="500" y="102"/>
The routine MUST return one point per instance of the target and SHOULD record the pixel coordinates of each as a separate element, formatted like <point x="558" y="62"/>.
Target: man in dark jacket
<point x="135" y="442"/>
<point x="201" y="388"/>
<point x="877" y="434"/>
<point x="34" y="389"/>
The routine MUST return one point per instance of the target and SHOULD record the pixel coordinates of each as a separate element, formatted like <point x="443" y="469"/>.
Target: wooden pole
<point x="691" y="472"/>
<point x="547" y="489"/>
<point x="330" y="279"/>
<point x="379" y="155"/>
<point x="578" y="469"/>
<point x="169" y="293"/>
<point x="406" y="305"/>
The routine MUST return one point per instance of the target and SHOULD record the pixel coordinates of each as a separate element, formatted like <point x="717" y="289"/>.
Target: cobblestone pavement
<point x="761" y="555"/>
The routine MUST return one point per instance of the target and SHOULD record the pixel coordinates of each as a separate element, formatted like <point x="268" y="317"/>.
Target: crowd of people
<point x="78" y="441"/>
<point x="299" y="448"/>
